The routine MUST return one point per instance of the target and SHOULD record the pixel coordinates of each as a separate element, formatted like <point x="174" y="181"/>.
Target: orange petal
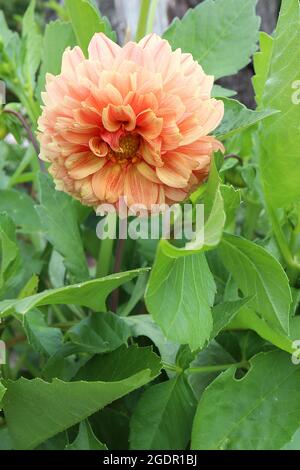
<point x="149" y="125"/>
<point x="139" y="190"/>
<point x="210" y="115"/>
<point x="70" y="60"/>
<point x="174" y="194"/>
<point x="104" y="50"/>
<point x="113" y="117"/>
<point x="176" y="171"/>
<point x="171" y="136"/>
<point x="98" y="147"/>
<point x="147" y="172"/>
<point x="86" y="168"/>
<point x="150" y="152"/>
<point x="190" y="129"/>
<point x="108" y="183"/>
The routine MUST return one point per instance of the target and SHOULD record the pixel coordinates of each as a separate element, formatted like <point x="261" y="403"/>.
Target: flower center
<point x="128" y="147"/>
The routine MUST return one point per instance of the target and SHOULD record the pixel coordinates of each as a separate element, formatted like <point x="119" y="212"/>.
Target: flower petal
<point x="113" y="117"/>
<point x="102" y="49"/>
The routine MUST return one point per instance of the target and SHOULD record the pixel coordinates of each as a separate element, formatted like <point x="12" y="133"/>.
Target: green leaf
<point x="36" y="410"/>
<point x="83" y="13"/>
<point x="179" y="296"/>
<point x="262" y="61"/>
<point x="294" y="444"/>
<point x="144" y="325"/>
<point x="220" y="34"/>
<point x="215" y="217"/>
<point x="10" y="260"/>
<point x="224" y="313"/>
<point x="232" y="199"/>
<point x="44" y="339"/>
<point x="279" y="135"/>
<point x="100" y="333"/>
<point x="247" y="319"/>
<point x="238" y="118"/>
<point x="5" y="440"/>
<point x="58" y="36"/>
<point x="213" y="355"/>
<point x="33" y="40"/>
<point x="219" y="92"/>
<point x="90" y="294"/>
<point x="257" y="273"/>
<point x="86" y="439"/>
<point x="2" y="392"/>
<point x="8" y="246"/>
<point x="163" y="417"/>
<point x="210" y="234"/>
<point x="20" y="208"/>
<point x="260" y="411"/>
<point x="57" y="212"/>
<point x="112" y="427"/>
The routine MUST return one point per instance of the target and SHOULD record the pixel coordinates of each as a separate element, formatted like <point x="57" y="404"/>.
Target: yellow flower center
<point x="129" y="145"/>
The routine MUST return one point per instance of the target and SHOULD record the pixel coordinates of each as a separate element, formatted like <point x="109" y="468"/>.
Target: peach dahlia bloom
<point x="131" y="121"/>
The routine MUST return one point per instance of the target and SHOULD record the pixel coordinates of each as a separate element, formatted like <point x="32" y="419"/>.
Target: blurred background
<point x="123" y="14"/>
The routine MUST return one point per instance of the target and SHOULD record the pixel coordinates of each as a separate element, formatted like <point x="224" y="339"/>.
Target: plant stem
<point x="293" y="268"/>
<point x="234" y="156"/>
<point x="64" y="326"/>
<point x="217" y="367"/>
<point x="117" y="268"/>
<point x="146" y="18"/>
<point x="151" y="16"/>
<point x="104" y="261"/>
<point x="172" y="367"/>
<point x="23" y="121"/>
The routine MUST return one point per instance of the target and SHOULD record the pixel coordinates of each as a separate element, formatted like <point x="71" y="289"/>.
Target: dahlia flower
<point x="129" y="122"/>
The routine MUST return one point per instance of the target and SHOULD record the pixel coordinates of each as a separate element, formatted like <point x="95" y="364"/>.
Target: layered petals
<point x="130" y="122"/>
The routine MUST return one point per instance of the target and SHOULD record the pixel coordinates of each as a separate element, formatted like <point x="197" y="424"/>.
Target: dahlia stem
<point x="29" y="132"/>
<point x="105" y="256"/>
<point x="146" y="18"/>
<point x="117" y="268"/>
<point x="293" y="268"/>
<point x="236" y="157"/>
<point x="104" y="262"/>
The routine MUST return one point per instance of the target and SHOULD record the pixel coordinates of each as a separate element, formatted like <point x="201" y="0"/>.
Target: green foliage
<point x="279" y="136"/>
<point x="250" y="403"/>
<point x="180" y="295"/>
<point x="191" y="344"/>
<point x="61" y="227"/>
<point x="220" y="34"/>
<point x="163" y="417"/>
<point x="238" y="118"/>
<point x="52" y="407"/>
<point x="58" y="36"/>
<point x="86" y="439"/>
<point x="83" y="13"/>
<point x="251" y="266"/>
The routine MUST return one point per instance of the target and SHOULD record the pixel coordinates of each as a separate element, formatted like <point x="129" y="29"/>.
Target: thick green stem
<point x="146" y="18"/>
<point x="104" y="262"/>
<point x="293" y="268"/>
<point x="105" y="257"/>
<point x="151" y="16"/>
<point x="172" y="367"/>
